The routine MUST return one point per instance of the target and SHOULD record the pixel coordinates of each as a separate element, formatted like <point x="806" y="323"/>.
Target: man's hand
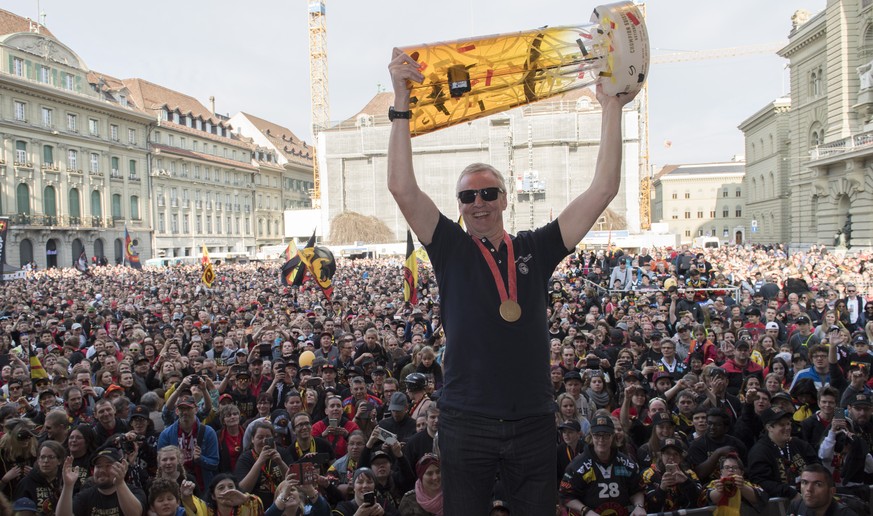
<point x="403" y="68"/>
<point x="119" y="469"/>
<point x="71" y="474"/>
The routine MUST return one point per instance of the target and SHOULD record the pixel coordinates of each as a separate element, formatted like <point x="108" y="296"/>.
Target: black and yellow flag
<point x="321" y="264"/>
<point x="410" y="271"/>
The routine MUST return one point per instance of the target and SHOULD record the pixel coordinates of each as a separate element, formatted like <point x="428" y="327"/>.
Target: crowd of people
<point x="681" y="378"/>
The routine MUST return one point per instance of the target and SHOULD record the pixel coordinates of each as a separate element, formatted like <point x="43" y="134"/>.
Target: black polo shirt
<point x="492" y="367"/>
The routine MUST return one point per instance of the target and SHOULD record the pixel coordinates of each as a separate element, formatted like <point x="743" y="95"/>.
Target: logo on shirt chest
<point x="522" y="263"/>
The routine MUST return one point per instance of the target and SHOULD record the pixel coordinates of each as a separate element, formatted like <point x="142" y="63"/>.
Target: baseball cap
<point x="24" y="504"/>
<point x="76" y="326"/>
<point x="570" y="425"/>
<point x="661" y="374"/>
<point x="499" y="504"/>
<point x="109" y="452"/>
<point x="632" y="375"/>
<point x="379" y="454"/>
<point x="860" y="399"/>
<point x="602" y="424"/>
<point x="753" y="311"/>
<point x="185" y="401"/>
<point x="782" y="396"/>
<point x="572" y="375"/>
<point x="140" y="411"/>
<point x="661" y="417"/>
<point x="672" y="442"/>
<point x="860" y="339"/>
<point x="398" y="402"/>
<point x="771" y="415"/>
<point x="743" y="344"/>
<point x="225" y="397"/>
<point x="772" y="325"/>
<point x="833" y="327"/>
<point x="802" y="320"/>
<point x="113" y="388"/>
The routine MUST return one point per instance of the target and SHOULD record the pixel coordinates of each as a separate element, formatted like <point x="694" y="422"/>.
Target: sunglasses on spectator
<point x="487" y="194"/>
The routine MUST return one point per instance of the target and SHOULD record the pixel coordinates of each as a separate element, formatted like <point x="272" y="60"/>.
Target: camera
<point x="370" y="498"/>
<point x="195" y="380"/>
<point x="593" y="363"/>
<point x="269" y="442"/>
<point x="124" y="445"/>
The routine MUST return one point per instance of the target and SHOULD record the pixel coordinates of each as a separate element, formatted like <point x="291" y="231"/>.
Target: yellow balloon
<point x="306" y="358"/>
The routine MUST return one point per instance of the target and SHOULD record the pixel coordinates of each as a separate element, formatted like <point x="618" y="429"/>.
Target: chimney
<point x="212" y="104"/>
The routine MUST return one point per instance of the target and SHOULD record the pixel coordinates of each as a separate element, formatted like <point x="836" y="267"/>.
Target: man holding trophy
<point x="496" y="420"/>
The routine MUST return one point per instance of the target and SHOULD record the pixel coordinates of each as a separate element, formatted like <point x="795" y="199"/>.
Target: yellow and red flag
<point x="208" y="275"/>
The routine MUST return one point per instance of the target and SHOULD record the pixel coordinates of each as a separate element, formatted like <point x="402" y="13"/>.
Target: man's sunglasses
<point x="487" y="194"/>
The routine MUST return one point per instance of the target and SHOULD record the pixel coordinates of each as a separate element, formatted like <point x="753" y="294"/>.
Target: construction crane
<point x="318" y="86"/>
<point x="678" y="57"/>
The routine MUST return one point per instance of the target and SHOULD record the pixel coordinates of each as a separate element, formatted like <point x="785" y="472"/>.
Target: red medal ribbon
<point x="510" y="269"/>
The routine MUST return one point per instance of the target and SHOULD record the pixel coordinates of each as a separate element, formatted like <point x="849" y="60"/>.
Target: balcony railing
<point x="849" y="144"/>
<point x="116" y="174"/>
<point x="133" y="177"/>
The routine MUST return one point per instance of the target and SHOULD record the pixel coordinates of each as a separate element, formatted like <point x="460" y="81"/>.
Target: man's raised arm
<point x="419" y="210"/>
<point x="583" y="211"/>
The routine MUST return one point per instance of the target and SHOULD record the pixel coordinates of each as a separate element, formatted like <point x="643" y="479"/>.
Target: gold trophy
<point x="471" y="78"/>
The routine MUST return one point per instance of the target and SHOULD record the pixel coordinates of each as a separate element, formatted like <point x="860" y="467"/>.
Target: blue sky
<point x="253" y="56"/>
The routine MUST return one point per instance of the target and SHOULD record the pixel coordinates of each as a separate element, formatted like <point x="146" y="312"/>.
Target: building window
<point x="675" y="195"/>
<point x="20" y="111"/>
<point x="182" y="142"/>
<point x="131" y="165"/>
<point x="171" y="140"/>
<point x="726" y="232"/>
<point x="687" y="214"/>
<point x="739" y="212"/>
<point x="72" y="159"/>
<point x="725" y="213"/>
<point x="20" y="152"/>
<point x="199" y="224"/>
<point x="18" y="66"/>
<point x="174" y="226"/>
<point x="116" y="206"/>
<point x="688" y="195"/>
<point x="712" y="214"/>
<point x="48" y="155"/>
<point x="700" y="214"/>
<point x="186" y="224"/>
<point x="688" y="232"/>
<point x="72" y="122"/>
<point x="134" y="207"/>
<point x="162" y="223"/>
<point x="700" y="232"/>
<point x="68" y="81"/>
<point x="156" y="137"/>
<point x="95" y="162"/>
<point x="113" y="132"/>
<point x="47" y="117"/>
<point x="44" y="74"/>
<point x="675" y="216"/>
<point x="739" y="193"/>
<point x="131" y="136"/>
<point x="114" y="162"/>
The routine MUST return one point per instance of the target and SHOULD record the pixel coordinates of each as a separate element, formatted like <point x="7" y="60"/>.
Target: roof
<point x="293" y="148"/>
<point x="11" y="23"/>
<point x="151" y="97"/>
<point x="702" y="169"/>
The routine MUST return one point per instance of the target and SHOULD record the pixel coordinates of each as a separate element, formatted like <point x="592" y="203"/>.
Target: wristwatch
<point x="394" y="115"/>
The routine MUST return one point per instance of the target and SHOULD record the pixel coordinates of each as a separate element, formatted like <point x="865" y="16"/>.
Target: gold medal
<point x="510" y="310"/>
